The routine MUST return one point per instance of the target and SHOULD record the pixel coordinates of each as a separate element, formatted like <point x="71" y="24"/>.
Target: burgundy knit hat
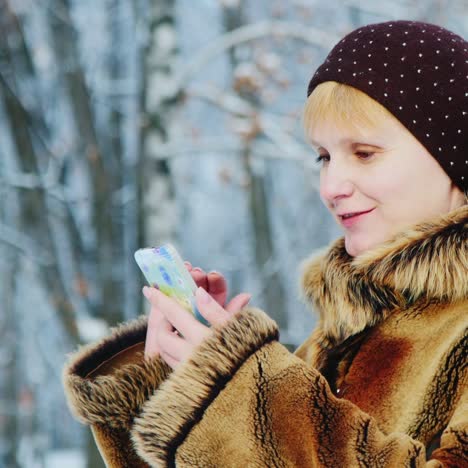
<point x="417" y="71"/>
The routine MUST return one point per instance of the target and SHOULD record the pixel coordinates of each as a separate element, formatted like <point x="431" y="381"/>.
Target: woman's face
<point x="383" y="173"/>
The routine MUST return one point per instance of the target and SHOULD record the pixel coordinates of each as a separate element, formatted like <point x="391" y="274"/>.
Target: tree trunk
<point x="103" y="171"/>
<point x="159" y="217"/>
<point x="8" y="370"/>
<point x="272" y="286"/>
<point x="34" y="217"/>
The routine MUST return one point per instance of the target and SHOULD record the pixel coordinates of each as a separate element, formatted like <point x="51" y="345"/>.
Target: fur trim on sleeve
<point x="114" y="396"/>
<point x="181" y="400"/>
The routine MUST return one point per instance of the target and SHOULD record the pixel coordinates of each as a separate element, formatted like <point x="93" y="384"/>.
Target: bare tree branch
<point x="249" y="33"/>
<point x="26" y="245"/>
<point x="385" y="9"/>
<point x="229" y="102"/>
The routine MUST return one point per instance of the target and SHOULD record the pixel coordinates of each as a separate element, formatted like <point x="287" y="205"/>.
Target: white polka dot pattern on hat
<point x="419" y="72"/>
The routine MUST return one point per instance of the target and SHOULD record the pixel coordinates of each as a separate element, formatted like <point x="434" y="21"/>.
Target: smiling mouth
<point x="350" y="219"/>
<point x="352" y="215"/>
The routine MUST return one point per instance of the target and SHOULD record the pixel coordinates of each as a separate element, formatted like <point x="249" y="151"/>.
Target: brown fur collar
<point x="428" y="262"/>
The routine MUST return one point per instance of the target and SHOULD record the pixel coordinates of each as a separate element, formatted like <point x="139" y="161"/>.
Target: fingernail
<point x="214" y="272"/>
<point x="196" y="269"/>
<point x="248" y="300"/>
<point x="146" y="292"/>
<point x="203" y="296"/>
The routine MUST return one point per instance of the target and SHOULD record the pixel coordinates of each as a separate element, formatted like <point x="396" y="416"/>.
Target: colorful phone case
<point x="164" y="269"/>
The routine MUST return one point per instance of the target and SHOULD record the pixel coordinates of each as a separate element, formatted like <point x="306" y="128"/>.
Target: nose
<point x="335" y="183"/>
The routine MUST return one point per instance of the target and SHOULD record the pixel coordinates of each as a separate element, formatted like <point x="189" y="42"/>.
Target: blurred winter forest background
<point x="127" y="123"/>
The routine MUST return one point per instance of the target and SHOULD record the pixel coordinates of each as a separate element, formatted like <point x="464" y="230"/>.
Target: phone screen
<point x="164" y="269"/>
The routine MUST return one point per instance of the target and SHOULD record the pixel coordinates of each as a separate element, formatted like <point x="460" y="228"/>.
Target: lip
<point x="348" y="222"/>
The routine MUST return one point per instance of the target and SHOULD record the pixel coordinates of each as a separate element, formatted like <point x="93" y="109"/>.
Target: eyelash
<point x="320" y="157"/>
<point x="368" y="154"/>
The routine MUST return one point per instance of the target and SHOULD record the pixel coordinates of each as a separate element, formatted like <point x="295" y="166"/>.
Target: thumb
<point x="238" y="302"/>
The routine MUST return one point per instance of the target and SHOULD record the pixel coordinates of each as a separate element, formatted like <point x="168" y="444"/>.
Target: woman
<point x="382" y="380"/>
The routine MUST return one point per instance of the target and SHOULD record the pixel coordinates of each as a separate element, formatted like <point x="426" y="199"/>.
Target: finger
<point x="188" y="265"/>
<point x="179" y="317"/>
<point x="174" y="345"/>
<point x="217" y="287"/>
<point x="210" y="309"/>
<point x="151" y="347"/>
<point x="238" y="302"/>
<point x="156" y="322"/>
<point x="199" y="276"/>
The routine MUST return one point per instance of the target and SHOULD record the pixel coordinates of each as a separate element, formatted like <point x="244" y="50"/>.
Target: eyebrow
<point x="347" y="141"/>
<point x="341" y="142"/>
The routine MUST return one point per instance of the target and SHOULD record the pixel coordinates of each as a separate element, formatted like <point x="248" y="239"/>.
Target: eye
<point x="364" y="154"/>
<point x="322" y="157"/>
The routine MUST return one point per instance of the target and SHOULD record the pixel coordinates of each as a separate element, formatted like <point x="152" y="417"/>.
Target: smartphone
<point x="164" y="269"/>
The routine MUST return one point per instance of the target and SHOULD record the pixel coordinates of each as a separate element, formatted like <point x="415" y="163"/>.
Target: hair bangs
<point x="343" y="105"/>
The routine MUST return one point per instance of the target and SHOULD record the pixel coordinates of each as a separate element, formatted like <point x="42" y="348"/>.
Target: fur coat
<point x="381" y="382"/>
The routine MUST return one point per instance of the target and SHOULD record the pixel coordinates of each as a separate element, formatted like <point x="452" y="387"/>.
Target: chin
<point x="355" y="247"/>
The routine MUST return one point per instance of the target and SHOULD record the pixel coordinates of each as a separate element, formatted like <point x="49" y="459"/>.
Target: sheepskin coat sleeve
<point x="382" y="383"/>
<point x="106" y="385"/>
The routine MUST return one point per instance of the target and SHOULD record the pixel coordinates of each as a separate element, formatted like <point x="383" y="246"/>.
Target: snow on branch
<point x="26" y="180"/>
<point x="25" y="245"/>
<point x="385" y="9"/>
<point x="267" y="123"/>
<point x="287" y="143"/>
<point x="286" y="29"/>
<point x="226" y="101"/>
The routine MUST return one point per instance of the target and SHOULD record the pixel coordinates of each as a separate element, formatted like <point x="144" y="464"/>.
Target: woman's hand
<point x="173" y="332"/>
<point x="215" y="284"/>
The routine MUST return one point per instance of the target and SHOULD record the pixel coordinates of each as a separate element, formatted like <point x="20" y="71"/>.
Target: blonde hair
<point x="344" y="105"/>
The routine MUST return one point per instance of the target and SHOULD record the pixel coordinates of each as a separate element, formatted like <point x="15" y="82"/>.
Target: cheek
<point x="322" y="192"/>
<point x="388" y="185"/>
<point x="321" y="183"/>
